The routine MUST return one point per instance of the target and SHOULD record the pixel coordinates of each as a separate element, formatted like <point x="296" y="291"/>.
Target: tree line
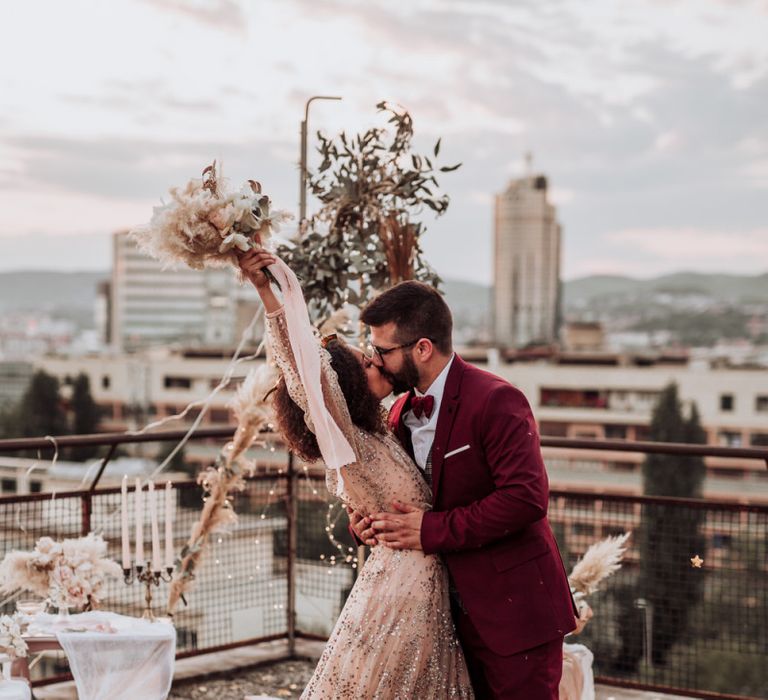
<point x="44" y="410"/>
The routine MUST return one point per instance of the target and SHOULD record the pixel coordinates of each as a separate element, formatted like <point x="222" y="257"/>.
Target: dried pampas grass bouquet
<point x="206" y="224"/>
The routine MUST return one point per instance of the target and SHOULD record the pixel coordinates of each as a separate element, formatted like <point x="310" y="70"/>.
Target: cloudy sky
<point x="650" y="117"/>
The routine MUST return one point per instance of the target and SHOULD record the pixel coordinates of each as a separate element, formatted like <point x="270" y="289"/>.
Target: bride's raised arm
<point x="305" y="365"/>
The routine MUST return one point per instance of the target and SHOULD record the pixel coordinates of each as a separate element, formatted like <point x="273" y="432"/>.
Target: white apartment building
<point x="153" y="306"/>
<point x="615" y="402"/>
<point x="526" y="276"/>
<point x="599" y="401"/>
<point x="139" y="388"/>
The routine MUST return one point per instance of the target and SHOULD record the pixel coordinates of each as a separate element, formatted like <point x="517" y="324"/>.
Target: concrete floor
<point x="235" y="673"/>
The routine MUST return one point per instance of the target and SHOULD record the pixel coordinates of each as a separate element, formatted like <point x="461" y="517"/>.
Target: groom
<point x="475" y="439"/>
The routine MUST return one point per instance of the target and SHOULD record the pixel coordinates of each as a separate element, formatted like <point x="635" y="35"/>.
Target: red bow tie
<point x="422" y="405"/>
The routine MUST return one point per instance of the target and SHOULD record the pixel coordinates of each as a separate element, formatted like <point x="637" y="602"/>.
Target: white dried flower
<point x="71" y="573"/>
<point x="11" y="641"/>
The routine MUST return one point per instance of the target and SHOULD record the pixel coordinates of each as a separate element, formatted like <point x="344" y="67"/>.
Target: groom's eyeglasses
<point x="381" y="352"/>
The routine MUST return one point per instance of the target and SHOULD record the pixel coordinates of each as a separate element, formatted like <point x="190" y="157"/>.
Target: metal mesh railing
<point x="325" y="558"/>
<point x="660" y="623"/>
<point x="240" y="590"/>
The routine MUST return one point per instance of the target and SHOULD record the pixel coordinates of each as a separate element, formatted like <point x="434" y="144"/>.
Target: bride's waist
<point x="382" y="552"/>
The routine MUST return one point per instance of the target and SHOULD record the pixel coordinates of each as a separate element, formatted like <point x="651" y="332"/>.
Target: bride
<point x="395" y="637"/>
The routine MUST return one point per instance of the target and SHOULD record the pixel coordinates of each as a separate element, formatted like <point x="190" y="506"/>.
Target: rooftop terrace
<point x="268" y="593"/>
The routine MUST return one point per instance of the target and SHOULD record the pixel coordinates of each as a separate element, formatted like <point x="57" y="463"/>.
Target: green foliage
<point x="704" y="328"/>
<point x="41" y="411"/>
<point x="85" y="416"/>
<point x="366" y="236"/>
<point x="672" y="475"/>
<point x="732" y="672"/>
<point x="629" y="621"/>
<point x="9" y="418"/>
<point x="671" y="535"/>
<point x="751" y="553"/>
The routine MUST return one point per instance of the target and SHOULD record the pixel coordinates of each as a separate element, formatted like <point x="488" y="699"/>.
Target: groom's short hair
<point x="418" y="311"/>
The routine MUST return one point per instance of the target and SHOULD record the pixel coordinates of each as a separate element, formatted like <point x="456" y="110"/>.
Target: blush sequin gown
<point x="394" y="639"/>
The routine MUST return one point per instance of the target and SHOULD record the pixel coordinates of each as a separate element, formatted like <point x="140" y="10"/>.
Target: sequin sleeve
<point x="279" y="346"/>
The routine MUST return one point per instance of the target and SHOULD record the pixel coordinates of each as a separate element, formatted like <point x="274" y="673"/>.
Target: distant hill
<point x="68" y="292"/>
<point x="48" y="290"/>
<point x="733" y="289"/>
<point x="71" y="295"/>
<point x="469" y="301"/>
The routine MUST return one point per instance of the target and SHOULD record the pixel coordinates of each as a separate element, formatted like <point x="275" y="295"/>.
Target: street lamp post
<point x="303" y="158"/>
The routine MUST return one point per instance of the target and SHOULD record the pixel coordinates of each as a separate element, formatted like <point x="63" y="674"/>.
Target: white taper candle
<point x="139" y="525"/>
<point x="157" y="558"/>
<point x="124" y="523"/>
<point x="169" y="508"/>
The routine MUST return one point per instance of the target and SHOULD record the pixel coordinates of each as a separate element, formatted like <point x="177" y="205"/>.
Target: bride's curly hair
<point x="364" y="407"/>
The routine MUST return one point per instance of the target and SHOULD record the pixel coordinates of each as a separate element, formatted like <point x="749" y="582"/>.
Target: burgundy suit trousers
<point x="533" y="674"/>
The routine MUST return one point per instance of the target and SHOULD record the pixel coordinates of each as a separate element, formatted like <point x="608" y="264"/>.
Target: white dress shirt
<point x="423" y="429"/>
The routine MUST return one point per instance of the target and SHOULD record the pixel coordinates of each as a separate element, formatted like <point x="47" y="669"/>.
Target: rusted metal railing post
<point x="86" y="506"/>
<point x="292" y="511"/>
<point x="103" y="466"/>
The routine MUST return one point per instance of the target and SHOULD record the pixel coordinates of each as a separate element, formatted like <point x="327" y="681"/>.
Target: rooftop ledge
<point x="263" y="670"/>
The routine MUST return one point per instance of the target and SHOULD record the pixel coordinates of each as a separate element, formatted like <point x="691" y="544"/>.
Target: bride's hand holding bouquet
<point x="253" y="264"/>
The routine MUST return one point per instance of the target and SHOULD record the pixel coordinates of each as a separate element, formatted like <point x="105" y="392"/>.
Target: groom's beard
<point x="405" y="379"/>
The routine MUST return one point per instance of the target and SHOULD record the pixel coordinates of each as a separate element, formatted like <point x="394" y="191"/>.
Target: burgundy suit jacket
<point x="489" y="518"/>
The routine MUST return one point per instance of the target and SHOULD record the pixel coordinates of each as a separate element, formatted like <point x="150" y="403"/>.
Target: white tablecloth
<point x="14" y="690"/>
<point x="584" y="658"/>
<point x="135" y="661"/>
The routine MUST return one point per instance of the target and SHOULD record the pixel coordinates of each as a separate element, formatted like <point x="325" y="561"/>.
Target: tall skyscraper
<point x="526" y="289"/>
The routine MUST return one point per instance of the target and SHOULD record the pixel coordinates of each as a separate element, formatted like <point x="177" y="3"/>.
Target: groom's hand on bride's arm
<point x="400" y="530"/>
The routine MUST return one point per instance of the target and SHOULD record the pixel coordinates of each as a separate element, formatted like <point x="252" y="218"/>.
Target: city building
<point x="150" y="305"/>
<point x="583" y="336"/>
<point x="526" y="275"/>
<point x="14" y="379"/>
<point x="577" y="395"/>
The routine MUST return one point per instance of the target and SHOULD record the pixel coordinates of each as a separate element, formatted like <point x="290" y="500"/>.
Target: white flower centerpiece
<point x="68" y="574"/>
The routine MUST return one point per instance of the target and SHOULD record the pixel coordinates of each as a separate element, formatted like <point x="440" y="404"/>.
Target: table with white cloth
<point x="110" y="655"/>
<point x="14" y="690"/>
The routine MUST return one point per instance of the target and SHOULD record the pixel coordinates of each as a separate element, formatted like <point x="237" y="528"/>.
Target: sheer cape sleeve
<point x="309" y="377"/>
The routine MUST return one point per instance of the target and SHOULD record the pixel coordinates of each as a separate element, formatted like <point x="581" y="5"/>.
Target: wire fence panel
<point x="240" y="589"/>
<point x="661" y="623"/>
<point x="689" y="608"/>
<point x="325" y="558"/>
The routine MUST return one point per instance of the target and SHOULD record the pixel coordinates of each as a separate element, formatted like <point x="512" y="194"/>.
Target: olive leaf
<point x="366" y="236"/>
